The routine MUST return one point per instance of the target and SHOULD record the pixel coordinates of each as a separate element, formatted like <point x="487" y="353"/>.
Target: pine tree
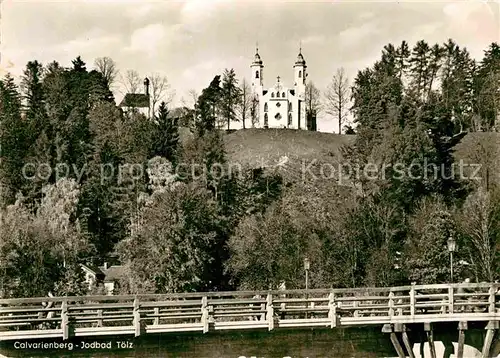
<point x="230" y="97"/>
<point x="13" y="145"/>
<point x="487" y="87"/>
<point x="207" y="107"/>
<point x="420" y="69"/>
<point x="35" y="98"/>
<point x="166" y="136"/>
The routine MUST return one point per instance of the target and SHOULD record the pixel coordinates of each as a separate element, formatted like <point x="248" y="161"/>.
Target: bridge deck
<point x="64" y="317"/>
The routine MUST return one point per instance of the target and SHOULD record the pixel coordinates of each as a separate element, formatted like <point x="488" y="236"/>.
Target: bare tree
<point x="189" y="108"/>
<point x="159" y="90"/>
<point x="107" y="67"/>
<point x="337" y="97"/>
<point x="477" y="221"/>
<point x="254" y="110"/>
<point x="193" y="95"/>
<point x="244" y="107"/>
<point x="131" y="81"/>
<point x="312" y="98"/>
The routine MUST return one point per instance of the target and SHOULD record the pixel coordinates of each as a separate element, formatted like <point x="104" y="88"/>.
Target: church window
<point x="300" y="74"/>
<point x="272" y="94"/>
<point x="277" y="94"/>
<point x="256" y="74"/>
<point x="289" y="106"/>
<point x="278" y="104"/>
<point x="265" y="107"/>
<point x="289" y="119"/>
<point x="266" y="121"/>
<point x="283" y="95"/>
<point x="277" y="116"/>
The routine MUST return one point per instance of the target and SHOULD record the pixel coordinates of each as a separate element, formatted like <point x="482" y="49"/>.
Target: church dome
<point x="300" y="60"/>
<point x="257" y="60"/>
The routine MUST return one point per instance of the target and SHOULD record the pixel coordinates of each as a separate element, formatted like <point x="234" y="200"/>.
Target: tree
<point x="33" y="93"/>
<point x="312" y="98"/>
<point x="104" y="225"/>
<point x="206" y="107"/>
<point x="230" y="97"/>
<point x="165" y="135"/>
<point x="487" y="88"/>
<point x="425" y="257"/>
<point x="254" y="110"/>
<point x="337" y="98"/>
<point x="159" y="91"/>
<point x="172" y="250"/>
<point x="457" y="76"/>
<point x="107" y="67"/>
<point x="245" y="103"/>
<point x="479" y="222"/>
<point x="41" y="251"/>
<point x="13" y="145"/>
<point x="192" y="99"/>
<point x="131" y="81"/>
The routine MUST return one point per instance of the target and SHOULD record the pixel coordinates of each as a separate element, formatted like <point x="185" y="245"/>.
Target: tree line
<point x="108" y="185"/>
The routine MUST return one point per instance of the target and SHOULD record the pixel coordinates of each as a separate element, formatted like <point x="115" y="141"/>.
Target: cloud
<point x="197" y="11"/>
<point x="353" y="36"/>
<point x="147" y="39"/>
<point x="314" y="39"/>
<point x="472" y="24"/>
<point x="192" y="41"/>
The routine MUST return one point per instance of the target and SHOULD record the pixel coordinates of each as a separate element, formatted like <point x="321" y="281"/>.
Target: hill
<point x="307" y="158"/>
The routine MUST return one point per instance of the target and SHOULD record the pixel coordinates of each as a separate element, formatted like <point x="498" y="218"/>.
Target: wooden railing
<point x="52" y="317"/>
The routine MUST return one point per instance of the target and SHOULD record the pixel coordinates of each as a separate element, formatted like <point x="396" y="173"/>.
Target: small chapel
<point x="280" y="106"/>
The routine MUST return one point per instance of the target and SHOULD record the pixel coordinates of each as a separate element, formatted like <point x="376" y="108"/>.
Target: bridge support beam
<point x="462" y="327"/>
<point x="491" y="328"/>
<point x="430" y="338"/>
<point x="388" y="328"/>
<point x="407" y="342"/>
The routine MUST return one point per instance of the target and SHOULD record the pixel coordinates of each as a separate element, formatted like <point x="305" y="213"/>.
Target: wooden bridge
<point x="395" y="309"/>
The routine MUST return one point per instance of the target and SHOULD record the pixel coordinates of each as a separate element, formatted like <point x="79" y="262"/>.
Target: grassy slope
<point x="261" y="147"/>
<point x="255" y="147"/>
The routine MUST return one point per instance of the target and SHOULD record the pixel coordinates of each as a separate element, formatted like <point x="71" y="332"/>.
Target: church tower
<point x="257" y="72"/>
<point x="300" y="75"/>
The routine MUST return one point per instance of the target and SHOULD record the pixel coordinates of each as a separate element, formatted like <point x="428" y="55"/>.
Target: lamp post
<point x="452" y="247"/>
<point x="307" y="265"/>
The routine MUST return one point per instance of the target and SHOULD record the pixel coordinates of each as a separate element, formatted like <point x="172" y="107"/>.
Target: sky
<point x="192" y="41"/>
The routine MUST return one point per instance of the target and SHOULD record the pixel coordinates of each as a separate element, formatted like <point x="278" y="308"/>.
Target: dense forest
<point x="83" y="182"/>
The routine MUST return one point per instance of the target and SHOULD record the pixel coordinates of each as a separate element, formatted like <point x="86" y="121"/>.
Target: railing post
<point x="270" y="311"/>
<point x="100" y="321"/>
<point x="332" y="310"/>
<point x="64" y="320"/>
<point x="204" y="314"/>
<point x="157" y="318"/>
<point x="412" y="300"/>
<point x="492" y="300"/>
<point x="262" y="308"/>
<point x="137" y="317"/>
<point x="399" y="302"/>
<point x="451" y="300"/>
<point x="391" y="304"/>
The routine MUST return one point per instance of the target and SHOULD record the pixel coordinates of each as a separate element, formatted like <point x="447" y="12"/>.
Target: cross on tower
<point x="278" y="78"/>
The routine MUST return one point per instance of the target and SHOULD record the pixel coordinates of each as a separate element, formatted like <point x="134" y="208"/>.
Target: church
<point x="280" y="106"/>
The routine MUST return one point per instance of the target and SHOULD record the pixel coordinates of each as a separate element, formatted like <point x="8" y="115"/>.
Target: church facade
<point x="280" y="106"/>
